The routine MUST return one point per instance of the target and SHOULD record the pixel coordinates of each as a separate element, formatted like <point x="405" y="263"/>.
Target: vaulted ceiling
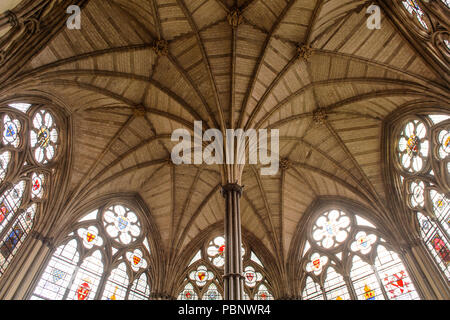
<point x="250" y="76"/>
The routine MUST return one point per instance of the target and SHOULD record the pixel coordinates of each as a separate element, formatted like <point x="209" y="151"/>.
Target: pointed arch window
<point x="24" y="181"/>
<point x="102" y="259"/>
<point x="204" y="281"/>
<point x="414" y="9"/>
<point x="347" y="259"/>
<point x="426" y="185"/>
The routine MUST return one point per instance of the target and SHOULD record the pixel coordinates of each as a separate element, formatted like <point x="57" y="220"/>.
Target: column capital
<point x="231" y="187"/>
<point x="47" y="241"/>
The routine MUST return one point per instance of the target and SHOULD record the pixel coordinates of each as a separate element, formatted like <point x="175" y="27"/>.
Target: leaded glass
<point x="140" y="290"/>
<point x="87" y="278"/>
<point x="197" y="257"/>
<point x="417" y="192"/>
<point x="363" y="242"/>
<point x="15" y="237"/>
<point x="331" y="229"/>
<point x="352" y="269"/>
<point x="120" y="275"/>
<point x="414" y="9"/>
<point x="10" y="201"/>
<point x="137" y="260"/>
<point x="263" y="293"/>
<point x="365" y="281"/>
<point x="251" y="276"/>
<point x="212" y="293"/>
<point x="425" y="180"/>
<point x="413" y="146"/>
<point x="395" y="278"/>
<point x="312" y="290"/>
<point x="444" y="144"/>
<point x="201" y="276"/>
<point x="122" y="224"/>
<point x="43" y="136"/>
<point x="216" y="251"/>
<point x="317" y="263"/>
<point x="441" y="209"/>
<point x="117" y="284"/>
<point x="334" y="286"/>
<point x="436" y="243"/>
<point x="5" y="157"/>
<point x="188" y="293"/>
<point x="58" y="273"/>
<point x="37" y="182"/>
<point x="22" y="107"/>
<point x="11" y="131"/>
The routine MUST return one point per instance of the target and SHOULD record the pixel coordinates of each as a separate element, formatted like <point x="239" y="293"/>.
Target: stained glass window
<point x="212" y="293"/>
<point x="263" y="293"/>
<point x="5" y="157"/>
<point x="188" y="293"/>
<point x="334" y="286"/>
<point x="331" y="229"/>
<point x="352" y="263"/>
<point x="425" y="177"/>
<point x="112" y="269"/>
<point x="414" y="9"/>
<point x="44" y="136"/>
<point x="26" y="188"/>
<point x="436" y="242"/>
<point x="312" y="290"/>
<point x="203" y="279"/>
<point x="413" y="146"/>
<point x="22" y="107"/>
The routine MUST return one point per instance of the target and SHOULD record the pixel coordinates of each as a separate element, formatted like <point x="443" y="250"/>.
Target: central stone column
<point x="233" y="277"/>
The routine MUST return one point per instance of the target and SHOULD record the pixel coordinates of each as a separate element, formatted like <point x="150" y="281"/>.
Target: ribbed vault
<point x="125" y="99"/>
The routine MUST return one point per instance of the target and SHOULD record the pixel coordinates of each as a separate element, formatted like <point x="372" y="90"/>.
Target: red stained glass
<point x="441" y="248"/>
<point x="36" y="185"/>
<point x="413" y="145"/>
<point x="396" y="285"/>
<point x="201" y="275"/>
<point x="83" y="291"/>
<point x="90" y="237"/>
<point x="3" y="212"/>
<point x="136" y="260"/>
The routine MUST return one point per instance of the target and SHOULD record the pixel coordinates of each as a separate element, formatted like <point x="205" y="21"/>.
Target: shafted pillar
<point x="233" y="277"/>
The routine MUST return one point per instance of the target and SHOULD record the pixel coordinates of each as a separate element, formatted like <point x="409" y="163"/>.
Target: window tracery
<point x="95" y="262"/>
<point x="24" y="179"/>
<point x="425" y="190"/>
<point x="414" y="9"/>
<point x="360" y="265"/>
<point x="203" y="280"/>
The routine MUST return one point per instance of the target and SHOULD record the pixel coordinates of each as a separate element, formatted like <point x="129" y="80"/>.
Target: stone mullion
<point x="380" y="283"/>
<point x="351" y="290"/>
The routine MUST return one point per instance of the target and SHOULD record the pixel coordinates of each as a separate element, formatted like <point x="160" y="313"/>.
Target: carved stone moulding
<point x="161" y="47"/>
<point x="320" y="116"/>
<point x="304" y="52"/>
<point x="235" y="18"/>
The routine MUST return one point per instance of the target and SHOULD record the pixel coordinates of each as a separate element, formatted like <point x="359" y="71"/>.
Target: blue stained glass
<point x="10" y="131"/>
